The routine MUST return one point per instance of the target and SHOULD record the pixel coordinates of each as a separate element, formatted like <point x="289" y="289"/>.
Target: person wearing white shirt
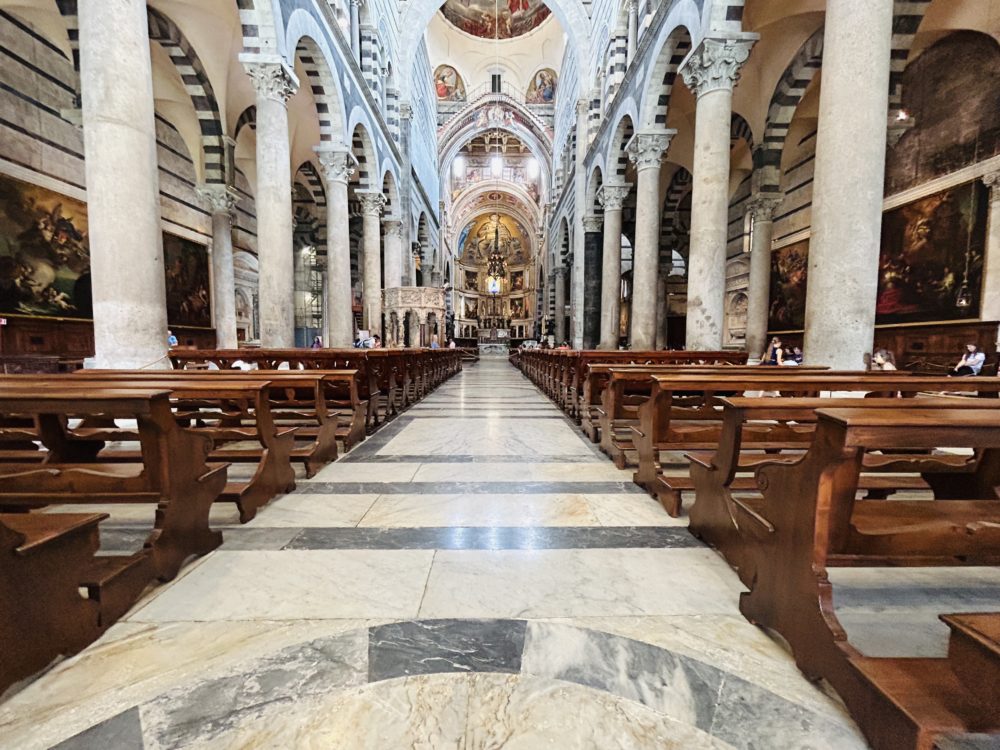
<point x="971" y="362"/>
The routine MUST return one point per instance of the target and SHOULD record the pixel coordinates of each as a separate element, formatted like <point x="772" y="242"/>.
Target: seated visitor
<point x="971" y="362"/>
<point x="434" y="343"/>
<point x="775" y="354"/>
<point x="317" y="343"/>
<point x="883" y="359"/>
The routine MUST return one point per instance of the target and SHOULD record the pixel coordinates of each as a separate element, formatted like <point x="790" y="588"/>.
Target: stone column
<point x="646" y="152"/>
<point x="274" y="84"/>
<point x="393" y="253"/>
<point x="711" y="72"/>
<point x="560" y="276"/>
<point x="414" y="329"/>
<point x="990" y="309"/>
<point x="762" y="208"/>
<point x="593" y="284"/>
<point x="612" y="197"/>
<point x="580" y="209"/>
<point x="356" y="30"/>
<point x="632" y="6"/>
<point x="372" y="203"/>
<point x="338" y="164"/>
<point x="849" y="183"/>
<point x="221" y="200"/>
<point x="661" y="310"/>
<point x="126" y="243"/>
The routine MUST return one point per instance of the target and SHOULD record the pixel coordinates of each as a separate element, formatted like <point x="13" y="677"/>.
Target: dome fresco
<point x="504" y="19"/>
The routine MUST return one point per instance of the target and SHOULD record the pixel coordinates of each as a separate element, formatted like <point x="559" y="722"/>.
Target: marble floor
<point x="475" y="575"/>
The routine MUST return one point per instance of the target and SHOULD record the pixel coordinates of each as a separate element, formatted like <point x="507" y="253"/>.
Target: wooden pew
<point x="227" y="410"/>
<point x="666" y="425"/>
<point x="750" y="426"/>
<point x="808" y="520"/>
<point x="173" y="472"/>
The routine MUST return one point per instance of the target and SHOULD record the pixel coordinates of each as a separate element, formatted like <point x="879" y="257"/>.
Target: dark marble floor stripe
<point x="495" y="538"/>
<point x="469" y="488"/>
<point x="439" y="646"/>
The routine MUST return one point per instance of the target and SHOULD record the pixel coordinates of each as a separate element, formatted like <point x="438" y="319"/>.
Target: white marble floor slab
<point x="295" y="585"/>
<point x="442" y="436"/>
<point x="579" y="583"/>
<point x="297" y="510"/>
<point x="598" y="471"/>
<point x="354" y="471"/>
<point x="412" y="511"/>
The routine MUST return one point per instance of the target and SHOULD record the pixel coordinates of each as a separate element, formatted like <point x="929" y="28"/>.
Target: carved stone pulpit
<point x="414" y="315"/>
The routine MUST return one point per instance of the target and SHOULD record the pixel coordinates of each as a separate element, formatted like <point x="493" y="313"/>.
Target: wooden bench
<point x="173" y="471"/>
<point x="671" y="420"/>
<point x="809" y="519"/>
<point x="751" y="426"/>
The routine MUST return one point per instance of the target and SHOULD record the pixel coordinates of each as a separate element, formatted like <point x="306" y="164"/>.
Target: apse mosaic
<point x="542" y="89"/>
<point x="477" y="238"/>
<point x="930" y="263"/>
<point x="44" y="252"/>
<point x="448" y="84"/>
<point x="491" y="20"/>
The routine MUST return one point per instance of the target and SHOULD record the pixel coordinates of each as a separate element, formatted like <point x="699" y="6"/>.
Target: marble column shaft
<point x="274" y="85"/>
<point x="372" y="204"/>
<point x="646" y="151"/>
<point x="126" y="243"/>
<point x="632" y="7"/>
<point x="222" y="200"/>
<point x="578" y="280"/>
<point x="356" y="29"/>
<point x="710" y="72"/>
<point x="560" y="276"/>
<point x="990" y="309"/>
<point x="661" y="311"/>
<point x="762" y="207"/>
<point x="612" y="197"/>
<point x="393" y="253"/>
<point x="593" y="283"/>
<point x="338" y="165"/>
<point x="849" y="181"/>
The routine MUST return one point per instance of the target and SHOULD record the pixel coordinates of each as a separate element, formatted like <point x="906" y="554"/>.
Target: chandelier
<point x="496" y="265"/>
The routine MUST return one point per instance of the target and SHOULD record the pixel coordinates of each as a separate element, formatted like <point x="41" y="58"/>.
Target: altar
<point x="494" y="342"/>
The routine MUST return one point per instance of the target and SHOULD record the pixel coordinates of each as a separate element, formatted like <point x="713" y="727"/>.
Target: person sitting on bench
<point x="971" y="363"/>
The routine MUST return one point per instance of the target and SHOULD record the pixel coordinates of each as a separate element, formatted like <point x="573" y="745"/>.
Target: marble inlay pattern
<point x="472" y="684"/>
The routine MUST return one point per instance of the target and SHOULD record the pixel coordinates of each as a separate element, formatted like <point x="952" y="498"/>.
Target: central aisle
<point x="475" y="575"/>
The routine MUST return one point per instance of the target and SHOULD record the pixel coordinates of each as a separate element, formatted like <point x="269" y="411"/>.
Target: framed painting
<point x="188" y="295"/>
<point x="789" y="266"/>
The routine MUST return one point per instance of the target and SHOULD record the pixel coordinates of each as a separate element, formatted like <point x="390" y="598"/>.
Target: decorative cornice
<point x="613" y="197"/>
<point x="220" y="198"/>
<point x="593" y="223"/>
<point x="646" y="150"/>
<point x="337" y="164"/>
<point x="272" y="81"/>
<point x="715" y="64"/>
<point x="762" y="207"/>
<point x="372" y="203"/>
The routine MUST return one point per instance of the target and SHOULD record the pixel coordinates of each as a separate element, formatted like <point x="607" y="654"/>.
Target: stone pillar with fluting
<point x="761" y="207"/>
<point x="632" y="7"/>
<point x="337" y="164"/>
<point x="372" y="203"/>
<point x="560" y="277"/>
<point x="221" y="201"/>
<point x="646" y="151"/>
<point x="274" y="84"/>
<point x="393" y="253"/>
<point x="612" y="197"/>
<point x="711" y="72"/>
<point x="990" y="309"/>
<point x="848" y="184"/>
<point x="119" y="131"/>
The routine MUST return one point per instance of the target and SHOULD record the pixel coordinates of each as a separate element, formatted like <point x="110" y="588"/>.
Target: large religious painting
<point x="930" y="263"/>
<point x="472" y="281"/>
<point x="44" y="253"/>
<point x="517" y="309"/>
<point x="788" y="287"/>
<point x="491" y="20"/>
<point x="448" y="84"/>
<point x="542" y="89"/>
<point x="517" y="281"/>
<point x="932" y="254"/>
<point x="188" y="297"/>
<point x="471" y="308"/>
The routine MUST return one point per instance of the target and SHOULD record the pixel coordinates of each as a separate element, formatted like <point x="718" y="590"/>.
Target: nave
<point x="474" y="575"/>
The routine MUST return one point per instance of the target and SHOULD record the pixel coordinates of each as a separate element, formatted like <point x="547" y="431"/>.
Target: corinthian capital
<point x="393" y="228"/>
<point x="715" y="64"/>
<point x="336" y="164"/>
<point x="272" y="80"/>
<point x="219" y="198"/>
<point x="762" y="205"/>
<point x="582" y="107"/>
<point x="612" y="197"/>
<point x="372" y="202"/>
<point x="992" y="181"/>
<point x="593" y="223"/>
<point x="646" y="150"/>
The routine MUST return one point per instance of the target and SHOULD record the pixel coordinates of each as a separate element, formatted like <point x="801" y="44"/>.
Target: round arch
<point x="315" y="59"/>
<point x="671" y="48"/>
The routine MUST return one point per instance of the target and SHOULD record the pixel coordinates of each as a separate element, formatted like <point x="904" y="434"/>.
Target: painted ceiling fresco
<point x="490" y="19"/>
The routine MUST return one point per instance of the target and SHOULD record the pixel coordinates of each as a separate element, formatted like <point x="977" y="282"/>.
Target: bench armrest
<point x="702" y="458"/>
